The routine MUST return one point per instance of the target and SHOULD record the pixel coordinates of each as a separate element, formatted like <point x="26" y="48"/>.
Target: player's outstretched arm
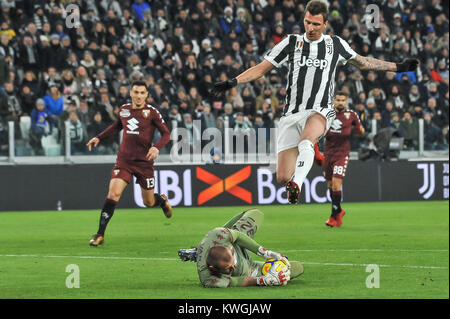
<point x="114" y="128"/>
<point x="250" y="244"/>
<point x="249" y="75"/>
<point x="368" y="63"/>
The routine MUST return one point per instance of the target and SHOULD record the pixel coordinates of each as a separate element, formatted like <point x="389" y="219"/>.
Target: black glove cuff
<point x="233" y="82"/>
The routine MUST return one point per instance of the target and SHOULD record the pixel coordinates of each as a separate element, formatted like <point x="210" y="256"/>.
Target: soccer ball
<point x="272" y="262"/>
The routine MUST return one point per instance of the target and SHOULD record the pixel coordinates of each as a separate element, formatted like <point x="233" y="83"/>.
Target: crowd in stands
<point x="74" y="63"/>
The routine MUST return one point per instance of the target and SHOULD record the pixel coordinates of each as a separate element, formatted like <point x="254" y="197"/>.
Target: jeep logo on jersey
<point x="336" y="126"/>
<point x="132" y="126"/>
<point x="317" y="63"/>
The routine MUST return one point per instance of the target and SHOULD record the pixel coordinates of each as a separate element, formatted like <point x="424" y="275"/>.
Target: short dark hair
<point x="139" y="83"/>
<point x="215" y="255"/>
<point x="341" y="93"/>
<point x="316" y="7"/>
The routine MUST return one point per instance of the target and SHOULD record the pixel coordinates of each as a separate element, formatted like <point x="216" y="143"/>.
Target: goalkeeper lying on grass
<point x="223" y="259"/>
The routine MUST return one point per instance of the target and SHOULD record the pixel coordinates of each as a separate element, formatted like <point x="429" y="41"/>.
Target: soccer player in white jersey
<point x="312" y="59"/>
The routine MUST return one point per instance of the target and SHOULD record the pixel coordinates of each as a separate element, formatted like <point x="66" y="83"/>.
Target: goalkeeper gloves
<point x="407" y="65"/>
<point x="219" y="87"/>
<point x="268" y="253"/>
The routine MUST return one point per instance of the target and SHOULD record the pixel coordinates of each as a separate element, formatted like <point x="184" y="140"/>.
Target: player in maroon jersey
<point x="136" y="155"/>
<point x="336" y="154"/>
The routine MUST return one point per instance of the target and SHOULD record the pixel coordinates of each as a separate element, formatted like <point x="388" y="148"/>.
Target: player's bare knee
<point x="148" y="202"/>
<point x="283" y="178"/>
<point x="336" y="185"/>
<point x="115" y="196"/>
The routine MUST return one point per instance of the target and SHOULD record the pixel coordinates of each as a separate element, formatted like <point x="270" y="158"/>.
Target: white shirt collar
<point x="310" y="41"/>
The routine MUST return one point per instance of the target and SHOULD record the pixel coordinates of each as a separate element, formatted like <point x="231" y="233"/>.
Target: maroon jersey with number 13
<point x="138" y="131"/>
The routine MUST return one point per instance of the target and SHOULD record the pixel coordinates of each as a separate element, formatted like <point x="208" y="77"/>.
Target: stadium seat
<point x="25" y="124"/>
<point x="22" y="148"/>
<point x="51" y="146"/>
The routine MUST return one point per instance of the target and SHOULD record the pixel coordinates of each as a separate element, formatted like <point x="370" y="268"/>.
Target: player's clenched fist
<point x="407" y="65"/>
<point x="92" y="142"/>
<point x="152" y="154"/>
<point x="219" y="87"/>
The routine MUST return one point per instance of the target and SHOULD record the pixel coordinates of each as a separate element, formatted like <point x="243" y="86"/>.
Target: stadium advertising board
<point x="32" y="187"/>
<point x="221" y="185"/>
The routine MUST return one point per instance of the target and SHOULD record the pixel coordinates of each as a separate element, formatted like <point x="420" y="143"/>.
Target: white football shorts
<point x="291" y="127"/>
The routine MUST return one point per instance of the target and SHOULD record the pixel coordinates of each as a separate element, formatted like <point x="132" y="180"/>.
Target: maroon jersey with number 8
<point x="337" y="140"/>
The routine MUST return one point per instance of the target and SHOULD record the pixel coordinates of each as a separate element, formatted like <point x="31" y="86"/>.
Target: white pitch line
<point x="174" y="259"/>
<point x="369" y="250"/>
<point x="93" y="257"/>
<point x="365" y="265"/>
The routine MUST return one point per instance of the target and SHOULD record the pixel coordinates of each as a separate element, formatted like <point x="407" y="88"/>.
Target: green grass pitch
<point x="407" y="240"/>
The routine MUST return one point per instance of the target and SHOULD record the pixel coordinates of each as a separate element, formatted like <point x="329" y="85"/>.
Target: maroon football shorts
<point x="335" y="167"/>
<point x="143" y="172"/>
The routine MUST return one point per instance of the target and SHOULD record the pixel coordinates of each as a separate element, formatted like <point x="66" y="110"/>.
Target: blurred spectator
<point x="234" y="97"/>
<point x="41" y="125"/>
<point x="106" y="108"/>
<point x="414" y="96"/>
<point x="27" y="99"/>
<point x="208" y="117"/>
<point x="175" y="116"/>
<point x="7" y="51"/>
<point x="39" y="17"/>
<point x="267" y="96"/>
<point x="123" y="96"/>
<point x="262" y="127"/>
<point x="28" y="53"/>
<point x="54" y="104"/>
<point x="82" y="77"/>
<point x="69" y="84"/>
<point x="439" y="115"/>
<point x="193" y="98"/>
<point x="85" y="113"/>
<point x="57" y="55"/>
<point x="139" y="7"/>
<point x="78" y="135"/>
<point x="398" y="98"/>
<point x="241" y="123"/>
<point x="378" y="121"/>
<point x="227" y="116"/>
<point x="379" y="96"/>
<point x="409" y="129"/>
<point x="371" y="107"/>
<point x="97" y="126"/>
<point x="30" y="80"/>
<point x="10" y="108"/>
<point x="228" y="23"/>
<point x="386" y="115"/>
<point x="192" y="130"/>
<point x="432" y="134"/>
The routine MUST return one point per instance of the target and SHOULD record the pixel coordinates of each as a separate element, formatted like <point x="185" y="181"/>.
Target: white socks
<point x="304" y="162"/>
